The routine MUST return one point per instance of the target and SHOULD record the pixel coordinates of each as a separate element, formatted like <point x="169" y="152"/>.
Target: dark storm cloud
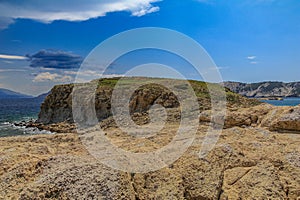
<point x="55" y="59"/>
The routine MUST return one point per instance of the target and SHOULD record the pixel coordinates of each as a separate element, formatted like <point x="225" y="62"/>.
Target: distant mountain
<point x="8" y="94"/>
<point x="265" y="89"/>
<point x="42" y="97"/>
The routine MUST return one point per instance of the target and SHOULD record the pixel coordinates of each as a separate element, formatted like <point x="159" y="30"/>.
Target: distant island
<point x="270" y="90"/>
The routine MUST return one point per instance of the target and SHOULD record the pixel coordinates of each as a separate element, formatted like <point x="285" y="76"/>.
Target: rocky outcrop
<point x="265" y="89"/>
<point x="280" y="119"/>
<point x="57" y="107"/>
<point x="242" y="117"/>
<point x="283" y="119"/>
<point x="246" y="163"/>
<point x="257" y="155"/>
<point x="56" y="111"/>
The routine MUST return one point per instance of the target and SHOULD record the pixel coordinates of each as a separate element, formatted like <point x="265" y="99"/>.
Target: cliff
<point x="265" y="89"/>
<point x="57" y="106"/>
<point x="248" y="162"/>
<point x="256" y="157"/>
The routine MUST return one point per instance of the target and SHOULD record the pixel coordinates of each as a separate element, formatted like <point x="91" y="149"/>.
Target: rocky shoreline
<point x="257" y="155"/>
<point x="271" y="98"/>
<point x="54" y="128"/>
<point x="249" y="162"/>
<point x="274" y="118"/>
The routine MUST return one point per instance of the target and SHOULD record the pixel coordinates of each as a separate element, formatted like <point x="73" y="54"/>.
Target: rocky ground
<point x="257" y="157"/>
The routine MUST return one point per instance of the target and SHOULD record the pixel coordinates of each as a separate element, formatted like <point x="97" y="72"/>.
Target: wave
<point x="10" y="129"/>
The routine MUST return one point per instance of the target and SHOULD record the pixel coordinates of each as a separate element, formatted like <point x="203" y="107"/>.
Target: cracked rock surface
<point x="246" y="163"/>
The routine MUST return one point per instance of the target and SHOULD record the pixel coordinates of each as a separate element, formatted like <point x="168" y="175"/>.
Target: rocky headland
<point x="256" y="157"/>
<point x="266" y="89"/>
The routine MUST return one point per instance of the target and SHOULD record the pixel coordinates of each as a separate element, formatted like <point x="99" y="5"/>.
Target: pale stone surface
<point x="246" y="163"/>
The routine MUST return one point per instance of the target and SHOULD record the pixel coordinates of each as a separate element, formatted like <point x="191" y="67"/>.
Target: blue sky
<point x="43" y="42"/>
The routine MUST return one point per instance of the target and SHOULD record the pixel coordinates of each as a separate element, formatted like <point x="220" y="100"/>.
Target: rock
<point x="265" y="89"/>
<point x="288" y="120"/>
<point x="251" y="159"/>
<point x="57" y="106"/>
<point x="241" y="117"/>
<point x="281" y="119"/>
<point x="59" y="167"/>
<point x="256" y="182"/>
<point x="69" y="177"/>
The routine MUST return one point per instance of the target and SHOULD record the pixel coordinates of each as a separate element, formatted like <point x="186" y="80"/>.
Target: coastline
<point x="59" y="166"/>
<point x="274" y="118"/>
<point x="256" y="143"/>
<point x="9" y="129"/>
<point x="271" y="98"/>
<point x="31" y="127"/>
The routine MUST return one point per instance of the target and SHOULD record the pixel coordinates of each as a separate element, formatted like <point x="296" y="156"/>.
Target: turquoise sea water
<point x="292" y="101"/>
<point x="16" y="110"/>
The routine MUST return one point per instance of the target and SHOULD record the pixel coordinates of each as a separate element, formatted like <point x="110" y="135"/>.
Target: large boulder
<point x="281" y="119"/>
<point x="287" y="120"/>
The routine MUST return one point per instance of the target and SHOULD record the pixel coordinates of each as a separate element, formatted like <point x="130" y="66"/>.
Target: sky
<point x="43" y="43"/>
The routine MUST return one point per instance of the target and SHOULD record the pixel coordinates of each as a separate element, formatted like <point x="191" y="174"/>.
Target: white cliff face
<point x="265" y="89"/>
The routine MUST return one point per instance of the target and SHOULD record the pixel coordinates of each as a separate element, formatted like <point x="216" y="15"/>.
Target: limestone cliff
<point x="57" y="107"/>
<point x="265" y="89"/>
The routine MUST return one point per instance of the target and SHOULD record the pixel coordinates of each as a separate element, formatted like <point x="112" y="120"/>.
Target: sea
<point x="291" y="101"/>
<point x="17" y="110"/>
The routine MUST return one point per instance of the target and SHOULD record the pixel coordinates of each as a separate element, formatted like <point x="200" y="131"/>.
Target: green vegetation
<point x="200" y="88"/>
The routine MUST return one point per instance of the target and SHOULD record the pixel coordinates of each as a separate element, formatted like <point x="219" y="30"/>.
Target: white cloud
<point x="145" y="11"/>
<point x="252" y="60"/>
<point x="77" y="10"/>
<point x="53" y="77"/>
<point x="251" y="57"/>
<point x="88" y="75"/>
<point x="84" y="73"/>
<point x="12" y="70"/>
<point x="12" y="57"/>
